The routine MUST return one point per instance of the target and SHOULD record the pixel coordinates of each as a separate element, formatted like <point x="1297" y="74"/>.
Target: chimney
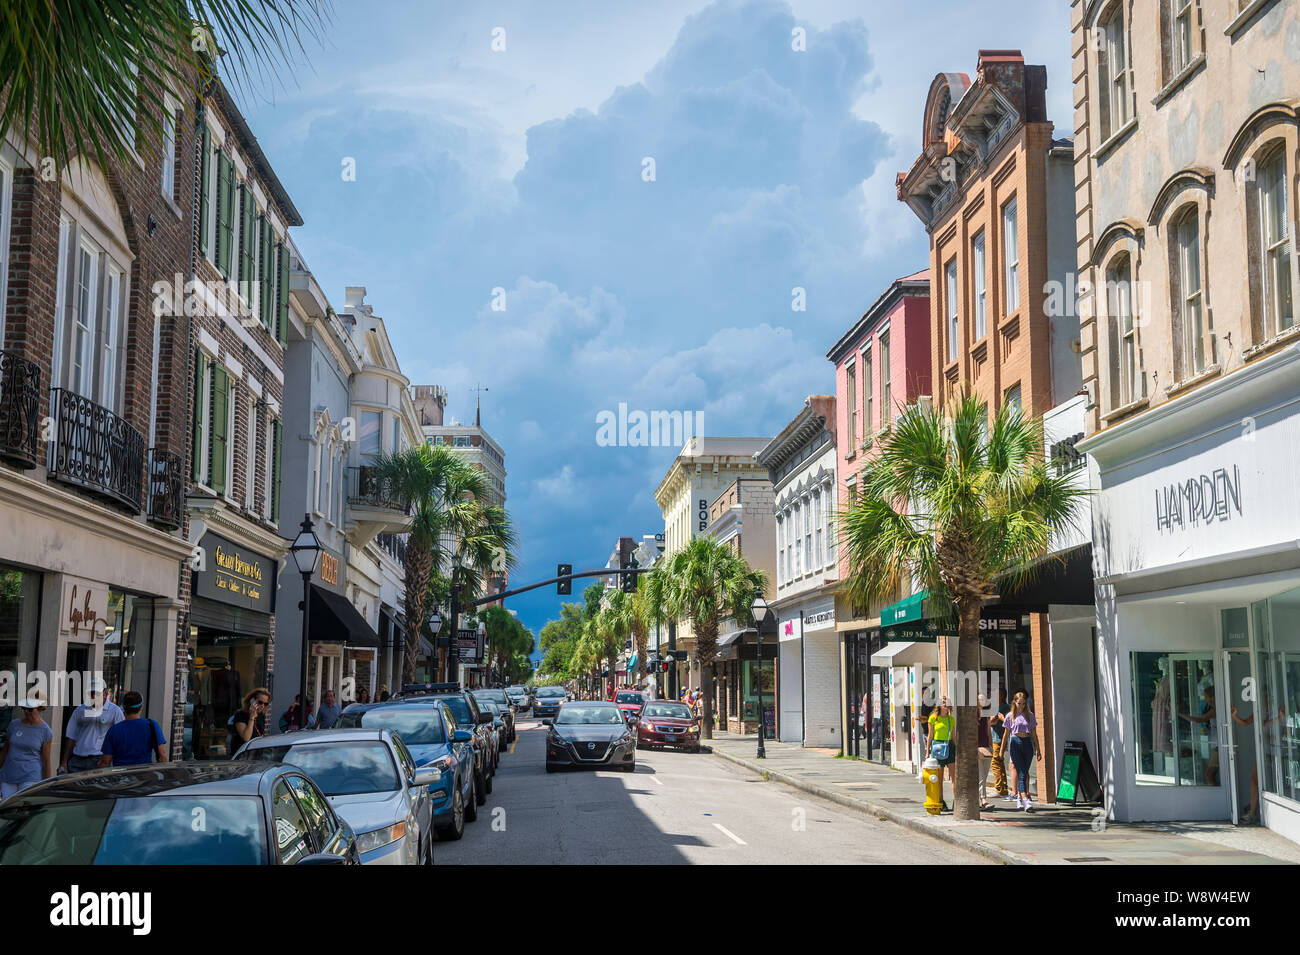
<point x="430" y="401"/>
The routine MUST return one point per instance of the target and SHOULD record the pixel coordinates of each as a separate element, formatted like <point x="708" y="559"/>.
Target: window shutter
<point x="225" y="213"/>
<point x="268" y="274"/>
<point x="196" y="453"/>
<point x="220" y="427"/>
<point x="282" y="294"/>
<point x="246" y="239"/>
<point x="275" y="474"/>
<point x="205" y="174"/>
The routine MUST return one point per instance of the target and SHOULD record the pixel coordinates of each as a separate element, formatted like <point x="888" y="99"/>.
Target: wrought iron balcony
<point x="96" y="450"/>
<point x="369" y="491"/>
<point x="20" y="407"/>
<point x="394" y="545"/>
<point x="166" y="487"/>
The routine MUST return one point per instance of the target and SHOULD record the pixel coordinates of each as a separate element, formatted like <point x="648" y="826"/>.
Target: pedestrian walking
<point x="941" y="747"/>
<point x="250" y="722"/>
<point x="997" y="732"/>
<point x="89" y="723"/>
<point x="985" y="743"/>
<point x="136" y="741"/>
<point x="329" y="712"/>
<point x="1022" y="728"/>
<point x="26" y="756"/>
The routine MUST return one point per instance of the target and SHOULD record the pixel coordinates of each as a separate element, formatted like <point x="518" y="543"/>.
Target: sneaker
<point x="1028" y="806"/>
<point x="1012" y="797"/>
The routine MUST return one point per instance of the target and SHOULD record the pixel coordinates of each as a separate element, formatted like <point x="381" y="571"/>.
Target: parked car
<point x="520" y="696"/>
<point x="594" y="734"/>
<point x="549" y="699"/>
<point x="431" y="734"/>
<point x="254" y="813"/>
<point x="665" y="723"/>
<point x="498" y="723"/>
<point x="501" y="699"/>
<point x="371" y="780"/>
<point x="468" y="716"/>
<point x="630" y="703"/>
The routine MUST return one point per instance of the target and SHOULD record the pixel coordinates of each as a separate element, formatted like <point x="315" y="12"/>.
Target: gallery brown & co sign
<point x="234" y="574"/>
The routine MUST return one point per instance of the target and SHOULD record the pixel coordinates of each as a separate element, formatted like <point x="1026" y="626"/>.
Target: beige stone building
<point x="1185" y="131"/>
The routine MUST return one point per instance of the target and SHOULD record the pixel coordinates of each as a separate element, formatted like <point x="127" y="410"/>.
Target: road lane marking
<point x="513" y="745"/>
<point x="729" y="834"/>
<point x="655" y="780"/>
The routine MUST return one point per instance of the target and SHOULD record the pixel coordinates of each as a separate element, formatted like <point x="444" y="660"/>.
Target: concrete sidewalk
<point x="1050" y="834"/>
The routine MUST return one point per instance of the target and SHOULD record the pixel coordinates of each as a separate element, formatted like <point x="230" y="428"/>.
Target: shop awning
<point x="426" y="648"/>
<point x="335" y="620"/>
<point x="906" y="610"/>
<point x="906" y="655"/>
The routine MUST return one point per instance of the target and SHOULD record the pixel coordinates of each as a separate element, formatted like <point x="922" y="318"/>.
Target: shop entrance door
<point x="1241" y="753"/>
<point x="75" y="660"/>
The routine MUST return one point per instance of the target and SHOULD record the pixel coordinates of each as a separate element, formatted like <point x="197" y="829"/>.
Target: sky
<point x="577" y="205"/>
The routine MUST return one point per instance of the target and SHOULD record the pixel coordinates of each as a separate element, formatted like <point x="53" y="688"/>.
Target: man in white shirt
<point x="87" y="727"/>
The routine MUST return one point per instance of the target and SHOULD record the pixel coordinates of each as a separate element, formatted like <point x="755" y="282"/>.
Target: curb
<point x="989" y="850"/>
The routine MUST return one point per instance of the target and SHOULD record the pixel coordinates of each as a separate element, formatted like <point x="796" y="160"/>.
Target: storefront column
<point x="1040" y="649"/>
<point x="162" y="668"/>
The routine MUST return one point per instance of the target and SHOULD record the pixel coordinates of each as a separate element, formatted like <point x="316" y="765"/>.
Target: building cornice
<point x="216" y="516"/>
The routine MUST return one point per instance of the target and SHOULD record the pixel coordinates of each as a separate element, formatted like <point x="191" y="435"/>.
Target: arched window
<point x="1274" y="242"/>
<point x="1193" y="353"/>
<point x="1128" y="384"/>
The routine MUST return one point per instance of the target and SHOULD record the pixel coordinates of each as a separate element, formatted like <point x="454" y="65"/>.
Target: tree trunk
<point x="706" y="685"/>
<point x="419" y="565"/>
<point x="965" y="797"/>
<point x="706" y="648"/>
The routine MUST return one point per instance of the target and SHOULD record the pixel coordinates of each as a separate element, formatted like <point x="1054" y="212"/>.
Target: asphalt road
<point x="676" y="808"/>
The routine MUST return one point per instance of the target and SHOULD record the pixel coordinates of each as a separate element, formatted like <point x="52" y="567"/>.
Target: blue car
<point x="430" y="732"/>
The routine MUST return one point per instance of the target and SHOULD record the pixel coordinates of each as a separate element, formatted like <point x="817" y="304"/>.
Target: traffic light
<point x="564" y="585"/>
<point x="628" y="580"/>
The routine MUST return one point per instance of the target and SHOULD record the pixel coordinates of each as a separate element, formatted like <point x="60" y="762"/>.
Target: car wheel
<point x="475" y="800"/>
<point x="457" y="827"/>
<point x="629" y="767"/>
<point x="426" y="857"/>
<point x="487" y="787"/>
<point x="480" y="792"/>
<point x="551" y="767"/>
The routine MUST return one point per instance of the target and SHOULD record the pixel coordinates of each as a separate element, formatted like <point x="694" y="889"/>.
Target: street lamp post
<point x="758" y="612"/>
<point x="435" y="624"/>
<point x="306" y="555"/>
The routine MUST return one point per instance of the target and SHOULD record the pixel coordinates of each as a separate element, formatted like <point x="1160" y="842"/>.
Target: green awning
<point x="906" y="610"/>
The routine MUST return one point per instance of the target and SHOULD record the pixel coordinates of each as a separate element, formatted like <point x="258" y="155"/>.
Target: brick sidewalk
<point x="1049" y="834"/>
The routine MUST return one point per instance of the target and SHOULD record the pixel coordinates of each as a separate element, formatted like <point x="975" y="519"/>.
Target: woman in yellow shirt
<point x="942" y="731"/>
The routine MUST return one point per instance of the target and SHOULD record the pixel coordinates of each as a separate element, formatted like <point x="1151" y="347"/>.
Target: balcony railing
<point x="95" y="449"/>
<point x="20" y="406"/>
<point x="394" y="545"/>
<point x="369" y="491"/>
<point x="166" y="486"/>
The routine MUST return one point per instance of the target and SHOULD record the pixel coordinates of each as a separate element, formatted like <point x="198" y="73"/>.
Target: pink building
<point x="882" y="364"/>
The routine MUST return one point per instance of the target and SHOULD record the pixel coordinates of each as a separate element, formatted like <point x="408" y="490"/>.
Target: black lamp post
<point x="306" y="554"/>
<point x="758" y="613"/>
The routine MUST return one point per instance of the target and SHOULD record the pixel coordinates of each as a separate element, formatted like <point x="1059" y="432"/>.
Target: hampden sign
<point x="1200" y="500"/>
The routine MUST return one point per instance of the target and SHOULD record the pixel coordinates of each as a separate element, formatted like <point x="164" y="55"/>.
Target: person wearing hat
<point x="135" y="741"/>
<point x="26" y="757"/>
<point x="83" y="742"/>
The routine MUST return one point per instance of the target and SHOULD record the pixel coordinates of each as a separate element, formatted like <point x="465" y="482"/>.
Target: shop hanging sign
<point x="1199" y="500"/>
<point x="235" y="575"/>
<point x="469" y="646"/>
<point x="84" y="609"/>
<point x="329" y="568"/>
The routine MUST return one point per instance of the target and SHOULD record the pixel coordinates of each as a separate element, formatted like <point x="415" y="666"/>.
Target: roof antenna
<point x="478" y="419"/>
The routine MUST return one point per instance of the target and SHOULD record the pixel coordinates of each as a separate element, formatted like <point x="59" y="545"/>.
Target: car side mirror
<point x="548" y="722"/>
<point x="427" y="776"/>
<point x="322" y="858"/>
<point x="485" y="717"/>
<point x="462" y="736"/>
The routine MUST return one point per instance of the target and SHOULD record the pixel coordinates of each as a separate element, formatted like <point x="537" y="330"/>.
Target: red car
<point x="629" y="702"/>
<point x="665" y="723"/>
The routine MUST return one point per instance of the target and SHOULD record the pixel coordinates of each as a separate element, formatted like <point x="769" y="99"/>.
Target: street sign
<point x="468" y="647"/>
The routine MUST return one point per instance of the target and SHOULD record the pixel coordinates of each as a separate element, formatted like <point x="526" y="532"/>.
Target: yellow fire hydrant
<point x="932" y="776"/>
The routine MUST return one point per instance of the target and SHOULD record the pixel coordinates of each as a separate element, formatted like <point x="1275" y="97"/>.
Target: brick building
<point x="240" y="331"/>
<point x="94" y="412"/>
<point x="995" y="191"/>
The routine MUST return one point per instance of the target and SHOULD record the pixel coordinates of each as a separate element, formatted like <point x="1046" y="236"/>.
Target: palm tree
<point x="705" y="583"/>
<point x="634" y="615"/>
<point x="77" y="72"/>
<point x="957" y="511"/>
<point x="444" y="493"/>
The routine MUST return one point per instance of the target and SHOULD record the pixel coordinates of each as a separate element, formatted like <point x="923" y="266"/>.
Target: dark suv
<point x="500" y="698"/>
<point x="465" y="710"/>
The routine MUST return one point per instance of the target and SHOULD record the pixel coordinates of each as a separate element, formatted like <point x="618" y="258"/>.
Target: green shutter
<point x="205" y="173"/>
<point x="225" y="213"/>
<point x="196" y="453"/>
<point x="247" y="206"/>
<point x="282" y="294"/>
<point x="267" y="273"/>
<point x="275" y="473"/>
<point x="220" y="427"/>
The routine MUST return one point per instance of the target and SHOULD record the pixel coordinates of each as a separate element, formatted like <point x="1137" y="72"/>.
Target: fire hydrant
<point x="932" y="776"/>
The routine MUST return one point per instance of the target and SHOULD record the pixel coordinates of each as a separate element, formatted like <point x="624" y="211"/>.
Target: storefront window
<point x="1278" y="667"/>
<point x="749" y="702"/>
<point x="20" y="613"/>
<point x="1176" y="730"/>
<point x="128" y="644"/>
<point x="222" y="668"/>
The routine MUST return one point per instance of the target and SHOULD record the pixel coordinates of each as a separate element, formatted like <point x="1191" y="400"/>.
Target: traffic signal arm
<point x="603" y="572"/>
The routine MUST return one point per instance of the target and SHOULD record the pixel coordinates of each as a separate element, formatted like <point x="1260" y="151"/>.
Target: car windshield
<point x="459" y="710"/>
<point x="574" y="713"/>
<point x="629" y="698"/>
<point x="339" y="769"/>
<point x="422" y="727"/>
<point x="495" y="696"/>
<point x="145" y="830"/>
<point x="551" y="691"/>
<point x="668" y="711"/>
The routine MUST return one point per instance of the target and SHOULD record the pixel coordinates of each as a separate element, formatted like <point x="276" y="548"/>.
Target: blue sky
<point x="524" y="169"/>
